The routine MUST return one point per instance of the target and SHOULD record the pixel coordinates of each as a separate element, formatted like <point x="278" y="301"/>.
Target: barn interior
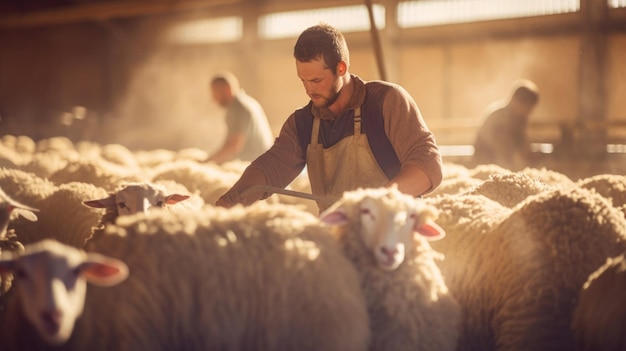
<point x="136" y="72"/>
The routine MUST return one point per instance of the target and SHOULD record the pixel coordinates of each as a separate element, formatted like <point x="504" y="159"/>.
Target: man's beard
<point x="332" y="99"/>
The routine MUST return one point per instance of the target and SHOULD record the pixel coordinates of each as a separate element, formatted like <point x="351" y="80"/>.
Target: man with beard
<point x="351" y="134"/>
<point x="502" y="138"/>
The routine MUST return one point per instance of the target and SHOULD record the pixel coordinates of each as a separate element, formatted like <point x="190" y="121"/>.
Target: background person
<point x="502" y="137"/>
<point x="249" y="133"/>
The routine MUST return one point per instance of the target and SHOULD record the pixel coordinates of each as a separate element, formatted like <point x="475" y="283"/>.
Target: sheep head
<point x="136" y="197"/>
<point x="386" y="221"/>
<point x="51" y="281"/>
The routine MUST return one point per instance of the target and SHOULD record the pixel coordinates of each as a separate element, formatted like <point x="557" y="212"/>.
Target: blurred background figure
<point x="502" y="139"/>
<point x="249" y="133"/>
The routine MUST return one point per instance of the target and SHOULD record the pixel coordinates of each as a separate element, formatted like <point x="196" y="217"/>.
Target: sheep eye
<point x="121" y="205"/>
<point x="159" y="203"/>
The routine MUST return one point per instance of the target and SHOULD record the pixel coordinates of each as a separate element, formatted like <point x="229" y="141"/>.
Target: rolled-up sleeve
<point x="413" y="142"/>
<point x="284" y="161"/>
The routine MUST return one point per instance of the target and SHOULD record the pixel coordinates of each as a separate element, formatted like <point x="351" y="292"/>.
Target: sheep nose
<point x="389" y="252"/>
<point x="51" y="320"/>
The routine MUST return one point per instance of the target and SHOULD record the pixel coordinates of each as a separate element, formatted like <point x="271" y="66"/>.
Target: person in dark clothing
<point x="502" y="138"/>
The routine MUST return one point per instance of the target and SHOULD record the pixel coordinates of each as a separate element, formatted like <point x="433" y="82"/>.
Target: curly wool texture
<point x="25" y="187"/>
<point x="263" y="277"/>
<point x="509" y="189"/>
<point x="61" y="216"/>
<point x="208" y="180"/>
<point x="99" y="172"/>
<point x="611" y="186"/>
<point x="600" y="316"/>
<point x="410" y="307"/>
<point x="524" y="275"/>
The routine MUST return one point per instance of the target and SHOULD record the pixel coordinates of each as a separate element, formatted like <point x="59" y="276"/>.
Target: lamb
<point x="130" y="198"/>
<point x="600" y="315"/>
<point x="261" y="277"/>
<point x="383" y="232"/>
<point x="51" y="282"/>
<point x="519" y="280"/>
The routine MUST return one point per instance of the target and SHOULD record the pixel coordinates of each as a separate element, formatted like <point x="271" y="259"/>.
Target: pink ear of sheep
<point x="103" y="271"/>
<point x="175" y="198"/>
<point x="334" y="216"/>
<point x="107" y="202"/>
<point x="430" y="230"/>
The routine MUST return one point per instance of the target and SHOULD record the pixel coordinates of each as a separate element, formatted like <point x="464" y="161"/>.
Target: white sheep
<point x="518" y="278"/>
<point x="599" y="321"/>
<point x="128" y="199"/>
<point x="383" y="231"/>
<point x="262" y="277"/>
<point x="51" y="283"/>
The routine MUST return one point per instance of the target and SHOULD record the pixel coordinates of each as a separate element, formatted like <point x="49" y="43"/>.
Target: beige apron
<point x="347" y="165"/>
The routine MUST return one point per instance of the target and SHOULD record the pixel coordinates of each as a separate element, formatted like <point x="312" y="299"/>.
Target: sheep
<point x="599" y="321"/>
<point x="62" y="215"/>
<point x="25" y="187"/>
<point x="509" y="189"/>
<point x="518" y="280"/>
<point x="129" y="199"/>
<point x="383" y="232"/>
<point x="261" y="277"/>
<point x="51" y="282"/>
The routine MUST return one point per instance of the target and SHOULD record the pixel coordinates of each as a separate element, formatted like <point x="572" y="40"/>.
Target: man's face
<point x="221" y="94"/>
<point x="320" y="83"/>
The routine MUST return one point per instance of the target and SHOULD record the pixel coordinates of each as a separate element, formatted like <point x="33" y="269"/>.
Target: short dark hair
<point x="525" y="91"/>
<point x="322" y="41"/>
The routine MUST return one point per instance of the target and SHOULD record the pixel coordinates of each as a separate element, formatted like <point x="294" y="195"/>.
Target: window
<point x="434" y="12"/>
<point x="617" y="3"/>
<point x="346" y="19"/>
<point x="213" y="30"/>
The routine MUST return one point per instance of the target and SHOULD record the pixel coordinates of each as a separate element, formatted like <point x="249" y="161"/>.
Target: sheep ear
<point x="175" y="198"/>
<point x="26" y="213"/>
<point x="107" y="202"/>
<point x="430" y="230"/>
<point x="334" y="216"/>
<point x="103" y="270"/>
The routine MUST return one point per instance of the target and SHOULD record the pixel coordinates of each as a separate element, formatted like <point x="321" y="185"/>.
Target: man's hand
<point x="229" y="199"/>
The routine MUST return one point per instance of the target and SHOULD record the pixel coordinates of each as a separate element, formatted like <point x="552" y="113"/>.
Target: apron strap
<point x="357" y="121"/>
<point x="315" y="131"/>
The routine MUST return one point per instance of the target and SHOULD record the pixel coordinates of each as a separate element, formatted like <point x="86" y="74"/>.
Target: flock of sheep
<point x="102" y="248"/>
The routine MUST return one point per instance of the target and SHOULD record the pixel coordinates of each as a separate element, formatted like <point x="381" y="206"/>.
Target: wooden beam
<point x="99" y="11"/>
